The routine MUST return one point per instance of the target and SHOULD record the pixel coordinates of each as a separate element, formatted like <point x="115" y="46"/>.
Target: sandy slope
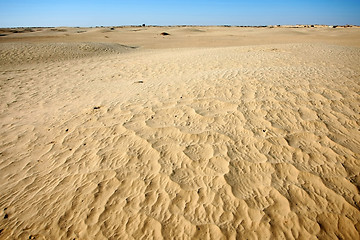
<point x="100" y="140"/>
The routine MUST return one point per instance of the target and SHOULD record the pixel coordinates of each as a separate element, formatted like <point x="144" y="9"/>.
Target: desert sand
<point x="206" y="133"/>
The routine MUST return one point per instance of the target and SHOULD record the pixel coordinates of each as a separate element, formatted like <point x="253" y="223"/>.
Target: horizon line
<point x="191" y="25"/>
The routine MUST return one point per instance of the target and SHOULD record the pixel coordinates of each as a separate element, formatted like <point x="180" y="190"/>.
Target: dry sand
<point x="208" y="133"/>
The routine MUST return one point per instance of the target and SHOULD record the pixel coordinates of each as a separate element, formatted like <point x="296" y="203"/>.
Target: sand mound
<point x="252" y="142"/>
<point x="19" y="53"/>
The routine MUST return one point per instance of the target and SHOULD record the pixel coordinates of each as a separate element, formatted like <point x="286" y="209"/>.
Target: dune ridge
<point x="30" y="53"/>
<point x="245" y="142"/>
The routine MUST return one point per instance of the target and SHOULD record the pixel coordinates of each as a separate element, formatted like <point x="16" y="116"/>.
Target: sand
<point x="207" y="133"/>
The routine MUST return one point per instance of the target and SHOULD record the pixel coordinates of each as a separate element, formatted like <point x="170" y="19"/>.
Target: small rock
<point x="164" y="34"/>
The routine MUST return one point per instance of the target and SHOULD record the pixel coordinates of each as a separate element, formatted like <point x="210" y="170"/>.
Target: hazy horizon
<point x="164" y="13"/>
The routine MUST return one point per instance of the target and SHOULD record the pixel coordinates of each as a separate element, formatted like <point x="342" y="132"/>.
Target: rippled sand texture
<point x="248" y="142"/>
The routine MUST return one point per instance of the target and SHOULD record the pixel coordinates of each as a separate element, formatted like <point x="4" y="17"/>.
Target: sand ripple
<point x="223" y="143"/>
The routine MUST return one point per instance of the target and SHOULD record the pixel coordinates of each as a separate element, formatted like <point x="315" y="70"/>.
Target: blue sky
<point x="191" y="12"/>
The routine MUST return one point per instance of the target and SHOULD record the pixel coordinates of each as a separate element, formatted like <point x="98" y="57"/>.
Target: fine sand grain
<point x="205" y="133"/>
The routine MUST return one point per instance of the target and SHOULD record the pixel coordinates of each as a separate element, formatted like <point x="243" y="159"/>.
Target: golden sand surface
<point x="205" y="133"/>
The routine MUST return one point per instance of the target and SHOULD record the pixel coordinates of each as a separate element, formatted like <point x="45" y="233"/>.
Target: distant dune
<point x="205" y="133"/>
<point x="20" y="53"/>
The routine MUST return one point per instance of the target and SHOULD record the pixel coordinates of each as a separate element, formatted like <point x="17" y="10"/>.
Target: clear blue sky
<point x="191" y="12"/>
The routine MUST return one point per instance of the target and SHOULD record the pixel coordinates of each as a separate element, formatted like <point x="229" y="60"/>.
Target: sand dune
<point x="104" y="141"/>
<point x="26" y="53"/>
